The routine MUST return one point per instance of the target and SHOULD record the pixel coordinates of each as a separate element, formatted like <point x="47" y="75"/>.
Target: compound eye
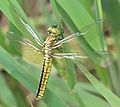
<point x="50" y="32"/>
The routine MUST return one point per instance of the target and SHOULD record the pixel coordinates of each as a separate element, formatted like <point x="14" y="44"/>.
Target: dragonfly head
<point x="53" y="31"/>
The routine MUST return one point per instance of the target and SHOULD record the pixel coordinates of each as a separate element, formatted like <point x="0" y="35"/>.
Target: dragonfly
<point x="48" y="49"/>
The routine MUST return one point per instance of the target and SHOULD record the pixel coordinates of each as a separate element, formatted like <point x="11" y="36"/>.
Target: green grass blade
<point x="56" y="12"/>
<point x="99" y="15"/>
<point x="112" y="13"/>
<point x="87" y="87"/>
<point x="79" y="99"/>
<point x="45" y="13"/>
<point x="72" y="77"/>
<point x="87" y="5"/>
<point x="113" y="17"/>
<point x="7" y="97"/>
<point x="88" y="99"/>
<point x="2" y="39"/>
<point x="42" y="104"/>
<point x="92" y="100"/>
<point x="103" y="90"/>
<point x="53" y="101"/>
<point x="4" y="7"/>
<point x="13" y="68"/>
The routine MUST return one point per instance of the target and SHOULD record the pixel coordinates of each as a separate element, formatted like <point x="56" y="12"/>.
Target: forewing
<point x="102" y="58"/>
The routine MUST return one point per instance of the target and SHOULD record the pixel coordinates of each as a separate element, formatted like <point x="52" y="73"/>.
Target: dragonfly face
<point x="53" y="31"/>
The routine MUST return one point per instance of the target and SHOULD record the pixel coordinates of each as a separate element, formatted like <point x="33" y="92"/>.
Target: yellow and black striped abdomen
<point x="44" y="77"/>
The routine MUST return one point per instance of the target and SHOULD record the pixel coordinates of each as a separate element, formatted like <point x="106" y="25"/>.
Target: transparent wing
<point x="14" y="38"/>
<point x="31" y="31"/>
<point x="28" y="43"/>
<point x="69" y="55"/>
<point x="104" y="58"/>
<point x="19" y="46"/>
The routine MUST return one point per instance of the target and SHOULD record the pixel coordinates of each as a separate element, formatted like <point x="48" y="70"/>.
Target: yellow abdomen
<point x="47" y="63"/>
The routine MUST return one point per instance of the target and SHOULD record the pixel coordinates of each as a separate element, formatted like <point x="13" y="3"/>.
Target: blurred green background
<point x="93" y="82"/>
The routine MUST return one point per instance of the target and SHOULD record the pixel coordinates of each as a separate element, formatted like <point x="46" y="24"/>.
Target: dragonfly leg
<point x="56" y="46"/>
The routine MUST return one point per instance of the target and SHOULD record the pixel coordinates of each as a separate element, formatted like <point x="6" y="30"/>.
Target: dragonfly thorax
<point x="50" y="41"/>
<point x="48" y="44"/>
